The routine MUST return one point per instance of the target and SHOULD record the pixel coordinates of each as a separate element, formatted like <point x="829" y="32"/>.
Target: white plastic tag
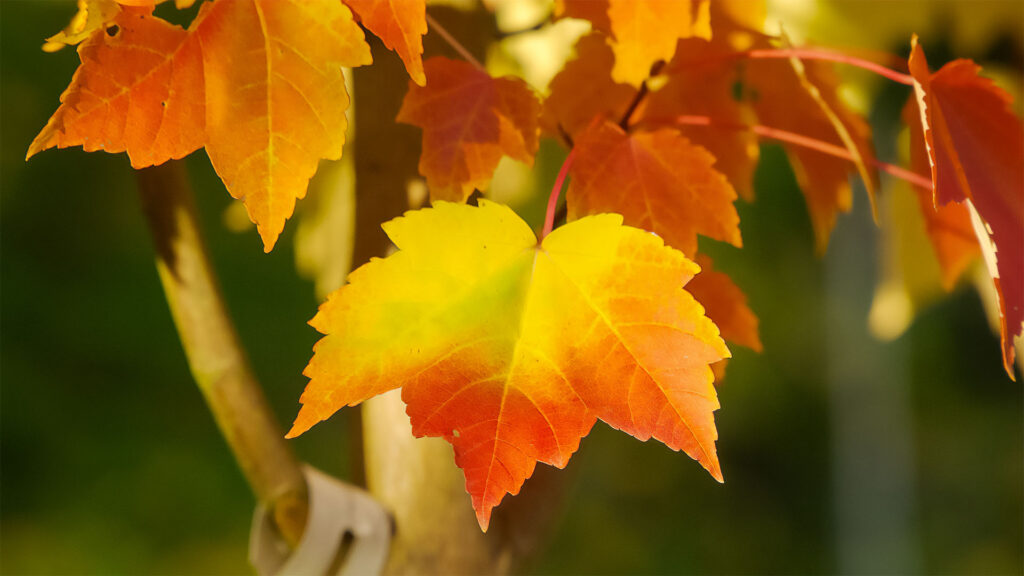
<point x="336" y="509"/>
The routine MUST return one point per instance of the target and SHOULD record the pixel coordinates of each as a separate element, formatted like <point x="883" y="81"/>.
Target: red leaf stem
<point x="801" y="140"/>
<point x="827" y="55"/>
<point x="549" y="218"/>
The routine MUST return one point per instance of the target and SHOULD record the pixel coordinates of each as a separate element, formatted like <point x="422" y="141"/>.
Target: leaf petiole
<point x="640" y="95"/>
<point x="549" y="217"/>
<point x="455" y="44"/>
<point x="826" y="55"/>
<point x="800" y="140"/>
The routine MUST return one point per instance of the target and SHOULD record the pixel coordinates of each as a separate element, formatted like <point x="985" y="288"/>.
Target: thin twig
<point x="455" y="44"/>
<point x="640" y="95"/>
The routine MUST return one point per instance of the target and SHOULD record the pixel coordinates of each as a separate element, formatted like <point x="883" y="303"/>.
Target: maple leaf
<point x="138" y="90"/>
<point x="949" y="227"/>
<point x="725" y="304"/>
<point x="695" y="88"/>
<point x="510" y="350"/>
<point x="804" y="98"/>
<point x="646" y="31"/>
<point x="91" y="15"/>
<point x="257" y="82"/>
<point x="657" y="180"/>
<point x="642" y="32"/>
<point x="469" y="120"/>
<point x="584" y="89"/>
<point x="975" y="145"/>
<point x="272" y="116"/>
<point x="793" y="96"/>
<point x="400" y="24"/>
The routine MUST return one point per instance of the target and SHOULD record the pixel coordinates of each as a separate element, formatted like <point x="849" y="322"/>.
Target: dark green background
<point x="112" y="464"/>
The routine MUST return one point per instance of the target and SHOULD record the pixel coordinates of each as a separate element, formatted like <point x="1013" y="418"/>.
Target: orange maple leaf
<point x="949" y="227"/>
<point x="699" y="85"/>
<point x="642" y="32"/>
<point x="975" y="145"/>
<point x="469" y="120"/>
<point x="697" y="96"/>
<point x="784" y="100"/>
<point x="646" y="31"/>
<point x="584" y="89"/>
<point x="400" y="24"/>
<point x="794" y="96"/>
<point x="138" y="89"/>
<point x="510" y="350"/>
<point x="273" y="115"/>
<point x="657" y="180"/>
<point x="257" y="82"/>
<point x="725" y="304"/>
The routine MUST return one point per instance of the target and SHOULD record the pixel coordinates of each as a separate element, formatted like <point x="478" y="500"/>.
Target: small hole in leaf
<point x="113" y="31"/>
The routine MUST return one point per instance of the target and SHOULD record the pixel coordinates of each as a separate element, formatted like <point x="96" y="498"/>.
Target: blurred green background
<point x="842" y="454"/>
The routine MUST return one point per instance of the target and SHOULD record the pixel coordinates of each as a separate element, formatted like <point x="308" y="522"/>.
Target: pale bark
<point x="215" y="356"/>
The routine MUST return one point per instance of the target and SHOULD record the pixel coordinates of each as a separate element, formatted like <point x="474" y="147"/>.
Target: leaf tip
<point x="293" y="433"/>
<point x="296" y="430"/>
<point x="756" y="345"/>
<point x="709" y="460"/>
<point x="305" y="420"/>
<point x="1009" y="357"/>
<point x="269" y="238"/>
<point x="40" y="143"/>
<point x="483" y="517"/>
<point x="716" y="472"/>
<point x="737" y="238"/>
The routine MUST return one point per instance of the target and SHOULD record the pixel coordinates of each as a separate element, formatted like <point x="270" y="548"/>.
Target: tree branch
<point x="215" y="355"/>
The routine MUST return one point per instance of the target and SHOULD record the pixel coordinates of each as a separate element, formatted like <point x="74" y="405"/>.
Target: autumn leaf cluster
<point x="508" y="343"/>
